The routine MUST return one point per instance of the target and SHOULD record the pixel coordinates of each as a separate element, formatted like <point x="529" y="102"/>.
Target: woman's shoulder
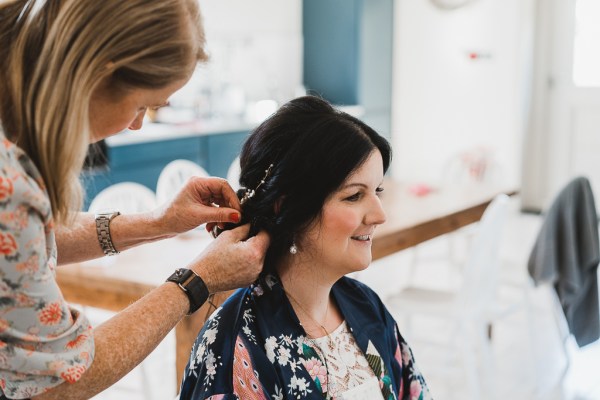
<point x="21" y="184"/>
<point x="230" y="312"/>
<point x="237" y="315"/>
<point x="361" y="304"/>
<point x="213" y="354"/>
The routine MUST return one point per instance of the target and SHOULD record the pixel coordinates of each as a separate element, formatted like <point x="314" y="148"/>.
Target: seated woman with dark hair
<point x="313" y="176"/>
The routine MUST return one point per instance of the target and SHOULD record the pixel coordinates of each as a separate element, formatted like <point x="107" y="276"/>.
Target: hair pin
<point x="251" y="192"/>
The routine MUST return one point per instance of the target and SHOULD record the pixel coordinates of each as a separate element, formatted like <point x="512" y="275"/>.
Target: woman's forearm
<point x="125" y="340"/>
<point x="201" y="200"/>
<point x="79" y="242"/>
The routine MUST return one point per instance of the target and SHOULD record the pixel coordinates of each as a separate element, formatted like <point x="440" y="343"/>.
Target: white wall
<point x="563" y="140"/>
<point x="443" y="101"/>
<point x="256" y="52"/>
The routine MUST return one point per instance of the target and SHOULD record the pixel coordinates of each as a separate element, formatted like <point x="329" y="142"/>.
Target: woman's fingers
<point x="215" y="191"/>
<point x="233" y="260"/>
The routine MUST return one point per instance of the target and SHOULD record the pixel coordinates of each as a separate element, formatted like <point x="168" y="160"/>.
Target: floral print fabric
<point x="253" y="347"/>
<point x="42" y="341"/>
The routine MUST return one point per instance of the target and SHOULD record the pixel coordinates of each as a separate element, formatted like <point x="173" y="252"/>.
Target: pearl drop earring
<point x="293" y="249"/>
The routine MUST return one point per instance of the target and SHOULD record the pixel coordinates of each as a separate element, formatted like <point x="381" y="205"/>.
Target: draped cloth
<point x="566" y="254"/>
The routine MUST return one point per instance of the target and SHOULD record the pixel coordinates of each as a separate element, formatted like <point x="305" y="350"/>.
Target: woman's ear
<point x="277" y="205"/>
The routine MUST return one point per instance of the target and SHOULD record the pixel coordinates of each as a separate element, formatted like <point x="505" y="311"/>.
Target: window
<point x="586" y="57"/>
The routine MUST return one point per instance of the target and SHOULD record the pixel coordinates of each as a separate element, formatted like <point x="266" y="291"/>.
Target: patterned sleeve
<point x="412" y="385"/>
<point x="42" y="341"/>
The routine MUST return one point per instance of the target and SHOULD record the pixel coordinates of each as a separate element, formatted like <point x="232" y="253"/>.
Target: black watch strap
<point x="192" y="285"/>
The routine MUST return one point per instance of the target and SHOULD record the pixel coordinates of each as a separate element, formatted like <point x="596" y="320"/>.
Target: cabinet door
<point x="348" y="48"/>
<point x="142" y="163"/>
<point x="160" y="152"/>
<point x="331" y="30"/>
<point x="93" y="182"/>
<point x="222" y="150"/>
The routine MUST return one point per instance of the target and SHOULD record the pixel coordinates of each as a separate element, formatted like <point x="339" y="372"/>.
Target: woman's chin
<point x="361" y="266"/>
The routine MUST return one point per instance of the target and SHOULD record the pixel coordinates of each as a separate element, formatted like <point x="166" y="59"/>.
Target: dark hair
<point x="313" y="148"/>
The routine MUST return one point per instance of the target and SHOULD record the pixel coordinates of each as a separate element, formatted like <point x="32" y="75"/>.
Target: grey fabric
<point x="566" y="254"/>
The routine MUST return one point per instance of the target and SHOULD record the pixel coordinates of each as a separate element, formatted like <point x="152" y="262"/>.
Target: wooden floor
<point x="522" y="371"/>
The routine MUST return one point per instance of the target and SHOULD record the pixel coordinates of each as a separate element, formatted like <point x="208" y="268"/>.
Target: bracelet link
<point x="103" y="220"/>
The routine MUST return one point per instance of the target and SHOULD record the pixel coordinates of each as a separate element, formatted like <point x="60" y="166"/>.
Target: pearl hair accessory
<point x="216" y="231"/>
<point x="249" y="192"/>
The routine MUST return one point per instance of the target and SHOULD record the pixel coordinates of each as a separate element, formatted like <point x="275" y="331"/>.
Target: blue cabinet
<point x="143" y="162"/>
<point x="331" y="48"/>
<point x="348" y="47"/>
<point x="222" y="150"/>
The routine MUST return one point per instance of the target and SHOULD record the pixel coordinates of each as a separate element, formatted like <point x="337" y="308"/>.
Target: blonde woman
<point x="73" y="72"/>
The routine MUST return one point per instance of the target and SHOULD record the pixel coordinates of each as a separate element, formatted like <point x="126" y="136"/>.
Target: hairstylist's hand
<point x="232" y="260"/>
<point x="195" y="205"/>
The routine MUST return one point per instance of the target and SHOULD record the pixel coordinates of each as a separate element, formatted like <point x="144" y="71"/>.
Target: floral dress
<point x="42" y="341"/>
<point x="253" y="347"/>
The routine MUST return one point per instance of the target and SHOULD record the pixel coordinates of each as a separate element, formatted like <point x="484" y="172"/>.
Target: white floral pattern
<point x="248" y="318"/>
<point x="258" y="349"/>
<point x="202" y="355"/>
<point x="284" y="350"/>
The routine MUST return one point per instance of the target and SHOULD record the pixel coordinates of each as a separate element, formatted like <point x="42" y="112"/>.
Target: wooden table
<point x="113" y="283"/>
<point x="413" y="219"/>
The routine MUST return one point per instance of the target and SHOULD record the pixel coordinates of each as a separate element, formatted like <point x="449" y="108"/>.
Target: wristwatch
<point x="192" y="285"/>
<point x="103" y="219"/>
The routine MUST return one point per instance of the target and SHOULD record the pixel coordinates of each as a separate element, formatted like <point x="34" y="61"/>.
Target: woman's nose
<point x="137" y="123"/>
<point x="376" y="214"/>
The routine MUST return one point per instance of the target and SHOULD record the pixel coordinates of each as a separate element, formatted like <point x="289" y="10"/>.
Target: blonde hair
<point x="55" y="53"/>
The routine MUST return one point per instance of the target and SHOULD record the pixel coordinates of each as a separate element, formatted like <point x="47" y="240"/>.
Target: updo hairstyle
<point x="313" y="148"/>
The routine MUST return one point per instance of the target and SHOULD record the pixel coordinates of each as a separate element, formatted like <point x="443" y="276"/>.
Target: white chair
<point x="174" y="176"/>
<point x="233" y="174"/>
<point x="470" y="167"/>
<point x="468" y="308"/>
<point x="127" y="197"/>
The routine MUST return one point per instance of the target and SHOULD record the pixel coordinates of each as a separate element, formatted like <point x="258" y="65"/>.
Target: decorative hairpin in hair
<point x="251" y="192"/>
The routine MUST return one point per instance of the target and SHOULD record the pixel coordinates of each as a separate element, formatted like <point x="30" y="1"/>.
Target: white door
<point x="574" y="95"/>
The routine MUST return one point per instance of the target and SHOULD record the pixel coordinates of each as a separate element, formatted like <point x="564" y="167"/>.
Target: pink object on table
<point x="420" y="189"/>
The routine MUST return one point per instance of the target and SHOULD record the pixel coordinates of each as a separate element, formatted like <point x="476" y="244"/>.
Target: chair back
<point x="480" y="276"/>
<point x="126" y="197"/>
<point x="174" y="176"/>
<point x="233" y="174"/>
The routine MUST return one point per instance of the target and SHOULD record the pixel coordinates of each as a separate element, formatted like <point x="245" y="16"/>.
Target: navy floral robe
<point x="253" y="347"/>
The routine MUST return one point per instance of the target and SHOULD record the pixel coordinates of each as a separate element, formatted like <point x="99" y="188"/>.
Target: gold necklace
<point x="310" y="316"/>
<point x="314" y="341"/>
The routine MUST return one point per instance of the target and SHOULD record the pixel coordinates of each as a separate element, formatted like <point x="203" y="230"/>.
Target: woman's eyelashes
<point x="153" y="108"/>
<point x="158" y="107"/>
<point x="355" y="197"/>
<point x="358" y="195"/>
